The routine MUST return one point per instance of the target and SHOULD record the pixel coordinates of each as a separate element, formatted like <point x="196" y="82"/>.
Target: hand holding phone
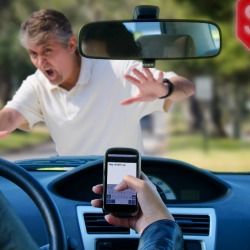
<point x="119" y="162"/>
<point x="152" y="207"/>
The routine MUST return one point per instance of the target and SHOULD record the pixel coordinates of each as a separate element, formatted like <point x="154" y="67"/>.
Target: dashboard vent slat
<point x="96" y="224"/>
<point x="189" y="224"/>
<point x="193" y="224"/>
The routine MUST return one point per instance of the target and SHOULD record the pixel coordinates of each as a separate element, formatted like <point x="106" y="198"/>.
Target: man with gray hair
<point x="88" y="105"/>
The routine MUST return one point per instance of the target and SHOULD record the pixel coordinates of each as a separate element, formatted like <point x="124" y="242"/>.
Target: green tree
<point x="230" y="69"/>
<point x="12" y="64"/>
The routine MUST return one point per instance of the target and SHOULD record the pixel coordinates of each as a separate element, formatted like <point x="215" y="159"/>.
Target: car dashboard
<point x="211" y="209"/>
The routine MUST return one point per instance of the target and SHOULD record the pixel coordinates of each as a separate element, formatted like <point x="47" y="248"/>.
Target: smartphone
<point x="119" y="162"/>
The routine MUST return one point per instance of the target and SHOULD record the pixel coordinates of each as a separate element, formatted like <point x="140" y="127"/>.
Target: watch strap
<point x="170" y="88"/>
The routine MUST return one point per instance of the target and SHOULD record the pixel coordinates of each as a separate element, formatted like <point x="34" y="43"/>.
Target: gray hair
<point x="44" y="25"/>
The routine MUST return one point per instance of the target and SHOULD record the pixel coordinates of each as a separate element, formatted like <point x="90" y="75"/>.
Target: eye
<point x="33" y="54"/>
<point x="47" y="51"/>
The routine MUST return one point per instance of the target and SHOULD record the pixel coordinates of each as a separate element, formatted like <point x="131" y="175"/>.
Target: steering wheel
<point x="47" y="207"/>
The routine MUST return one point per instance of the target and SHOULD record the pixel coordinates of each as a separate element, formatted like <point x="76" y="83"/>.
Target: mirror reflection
<point x="149" y="40"/>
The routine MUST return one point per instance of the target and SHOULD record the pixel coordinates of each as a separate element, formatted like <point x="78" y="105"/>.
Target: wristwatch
<point x="170" y="88"/>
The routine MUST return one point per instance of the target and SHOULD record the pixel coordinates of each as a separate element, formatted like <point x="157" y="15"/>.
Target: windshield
<point x="210" y="130"/>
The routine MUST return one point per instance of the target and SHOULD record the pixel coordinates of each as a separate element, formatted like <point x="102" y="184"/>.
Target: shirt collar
<point x="85" y="72"/>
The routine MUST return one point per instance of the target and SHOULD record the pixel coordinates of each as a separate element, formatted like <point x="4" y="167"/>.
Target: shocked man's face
<point x="54" y="60"/>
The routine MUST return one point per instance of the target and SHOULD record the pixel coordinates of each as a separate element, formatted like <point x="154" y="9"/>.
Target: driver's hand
<point x="152" y="207"/>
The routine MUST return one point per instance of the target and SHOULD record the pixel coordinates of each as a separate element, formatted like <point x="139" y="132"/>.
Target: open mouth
<point x="49" y="72"/>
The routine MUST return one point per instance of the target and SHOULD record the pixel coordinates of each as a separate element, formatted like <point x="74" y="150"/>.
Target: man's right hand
<point x="10" y="119"/>
<point x="3" y="134"/>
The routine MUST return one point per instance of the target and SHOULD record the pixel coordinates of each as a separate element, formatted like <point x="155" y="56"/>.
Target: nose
<point x="41" y="60"/>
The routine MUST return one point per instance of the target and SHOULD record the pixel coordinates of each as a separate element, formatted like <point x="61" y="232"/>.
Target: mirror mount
<point x="146" y="12"/>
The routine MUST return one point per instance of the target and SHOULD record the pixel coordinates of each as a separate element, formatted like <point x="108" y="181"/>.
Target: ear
<point x="72" y="44"/>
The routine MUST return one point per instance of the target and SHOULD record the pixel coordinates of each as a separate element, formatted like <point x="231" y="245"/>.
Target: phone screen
<point x="119" y="163"/>
<point x="116" y="170"/>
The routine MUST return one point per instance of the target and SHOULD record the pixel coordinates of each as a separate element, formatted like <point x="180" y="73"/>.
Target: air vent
<point x="96" y="224"/>
<point x="193" y="224"/>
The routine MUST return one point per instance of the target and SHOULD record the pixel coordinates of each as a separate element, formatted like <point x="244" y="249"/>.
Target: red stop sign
<point x="243" y="22"/>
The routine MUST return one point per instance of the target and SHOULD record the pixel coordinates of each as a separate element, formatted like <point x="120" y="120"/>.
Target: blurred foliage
<point x="233" y="57"/>
<point x="229" y="71"/>
<point x="14" y="62"/>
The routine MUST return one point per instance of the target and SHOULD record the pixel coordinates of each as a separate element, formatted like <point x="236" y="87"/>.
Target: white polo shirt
<point x="88" y="119"/>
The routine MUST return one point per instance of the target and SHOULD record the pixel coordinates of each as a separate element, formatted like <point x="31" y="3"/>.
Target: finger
<point x="117" y="221"/>
<point x="130" y="100"/>
<point x="132" y="79"/>
<point x="3" y="134"/>
<point x="148" y="73"/>
<point x="160" y="77"/>
<point x="139" y="74"/>
<point x="129" y="182"/>
<point x="97" y="203"/>
<point x="144" y="177"/>
<point x="138" y="185"/>
<point x="98" y="189"/>
<point x="121" y="186"/>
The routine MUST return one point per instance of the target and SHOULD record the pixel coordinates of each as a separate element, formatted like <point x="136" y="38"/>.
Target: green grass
<point x="216" y="154"/>
<point x="19" y="139"/>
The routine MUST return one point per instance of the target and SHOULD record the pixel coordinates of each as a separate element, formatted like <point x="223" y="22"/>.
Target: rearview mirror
<point x="150" y="39"/>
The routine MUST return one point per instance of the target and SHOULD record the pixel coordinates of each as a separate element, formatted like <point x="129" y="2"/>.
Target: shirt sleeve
<point x="162" y="235"/>
<point x="26" y="102"/>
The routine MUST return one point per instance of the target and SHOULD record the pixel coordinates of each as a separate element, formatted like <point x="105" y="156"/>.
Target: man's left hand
<point x="150" y="88"/>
